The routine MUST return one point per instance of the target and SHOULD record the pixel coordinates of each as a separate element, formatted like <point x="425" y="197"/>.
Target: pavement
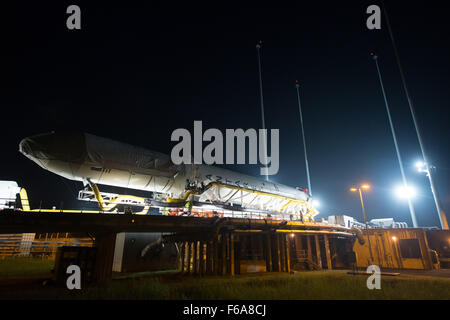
<point x="441" y="273"/>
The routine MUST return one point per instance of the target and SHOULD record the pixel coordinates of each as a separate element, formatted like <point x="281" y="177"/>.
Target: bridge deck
<point x="12" y="221"/>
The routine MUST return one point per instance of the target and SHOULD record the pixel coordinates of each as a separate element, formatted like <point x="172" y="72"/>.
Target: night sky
<point x="136" y="72"/>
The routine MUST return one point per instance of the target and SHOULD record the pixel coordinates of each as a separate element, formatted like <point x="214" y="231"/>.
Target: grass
<point x="267" y="286"/>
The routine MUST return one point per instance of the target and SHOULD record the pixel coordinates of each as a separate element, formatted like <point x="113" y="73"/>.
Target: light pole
<point x="440" y="211"/>
<point x="297" y="85"/>
<point x="394" y="136"/>
<point x="258" y="50"/>
<point x="355" y="189"/>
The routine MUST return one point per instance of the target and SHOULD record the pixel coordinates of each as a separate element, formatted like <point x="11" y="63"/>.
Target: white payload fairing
<point x="85" y="157"/>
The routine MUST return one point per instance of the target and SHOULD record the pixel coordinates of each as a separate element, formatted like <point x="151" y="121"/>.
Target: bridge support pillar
<point x="195" y="258"/>
<point x="268" y="253"/>
<point x="202" y="258"/>
<point x="327" y="252"/>
<point x="216" y="262"/>
<point x="223" y="257"/>
<point x="231" y="250"/>
<point x="298" y="253"/>
<point x="282" y="242"/>
<point x="277" y="253"/>
<point x="209" y="257"/>
<point x="105" y="244"/>
<point x="182" y="256"/>
<point x="188" y="257"/>
<point x="288" y="253"/>
<point x="309" y="249"/>
<point x="318" y="254"/>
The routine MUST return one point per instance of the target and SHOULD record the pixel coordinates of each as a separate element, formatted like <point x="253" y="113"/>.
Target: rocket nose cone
<point x="54" y="146"/>
<point x="24" y="147"/>
<point x="36" y="146"/>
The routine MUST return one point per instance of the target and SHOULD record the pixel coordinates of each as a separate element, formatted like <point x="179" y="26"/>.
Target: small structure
<point x="394" y="249"/>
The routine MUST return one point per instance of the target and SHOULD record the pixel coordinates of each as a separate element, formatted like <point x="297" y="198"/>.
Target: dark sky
<point x="135" y="72"/>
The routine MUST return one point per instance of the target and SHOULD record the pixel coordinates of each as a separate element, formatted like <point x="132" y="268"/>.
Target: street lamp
<point x="423" y="167"/>
<point x="358" y="189"/>
<point x="405" y="193"/>
<point x="315" y="203"/>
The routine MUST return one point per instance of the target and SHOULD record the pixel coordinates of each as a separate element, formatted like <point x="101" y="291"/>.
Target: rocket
<point x="88" y="158"/>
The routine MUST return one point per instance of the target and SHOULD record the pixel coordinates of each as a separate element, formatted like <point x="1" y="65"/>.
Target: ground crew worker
<point x="188" y="206"/>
